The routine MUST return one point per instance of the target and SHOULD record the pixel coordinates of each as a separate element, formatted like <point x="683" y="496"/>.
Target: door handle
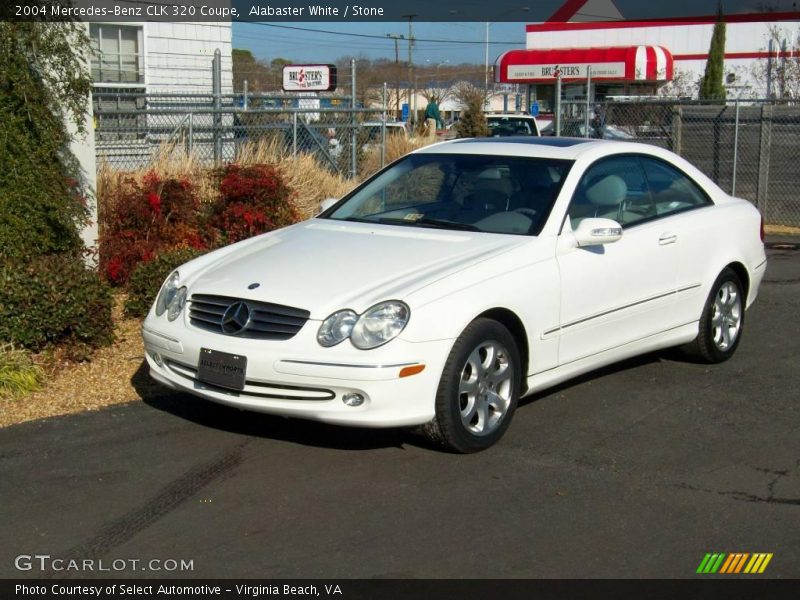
<point x="668" y="238"/>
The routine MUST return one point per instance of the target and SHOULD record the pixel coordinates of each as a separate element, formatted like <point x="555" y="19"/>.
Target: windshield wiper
<point x="433" y="223"/>
<point x="354" y="220"/>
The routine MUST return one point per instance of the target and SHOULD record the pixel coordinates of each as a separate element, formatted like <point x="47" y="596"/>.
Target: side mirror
<point x="326" y="204"/>
<point x="591" y="232"/>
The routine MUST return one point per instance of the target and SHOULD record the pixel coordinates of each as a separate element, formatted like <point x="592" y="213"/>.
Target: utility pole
<point x="396" y="37"/>
<point x="411" y="93"/>
<point x="486" y="69"/>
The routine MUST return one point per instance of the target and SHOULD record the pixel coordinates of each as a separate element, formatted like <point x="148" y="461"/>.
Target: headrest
<point x="609" y="191"/>
<point x="490" y="173"/>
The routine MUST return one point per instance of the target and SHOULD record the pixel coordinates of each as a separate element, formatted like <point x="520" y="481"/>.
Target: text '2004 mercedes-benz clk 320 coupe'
<point x="460" y="278"/>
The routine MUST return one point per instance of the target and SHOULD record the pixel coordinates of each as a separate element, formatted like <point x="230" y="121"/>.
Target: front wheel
<point x="479" y="389"/>
<point x="721" y="324"/>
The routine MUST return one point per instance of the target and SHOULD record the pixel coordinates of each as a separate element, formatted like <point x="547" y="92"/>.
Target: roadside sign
<point x="404" y="114"/>
<point x="535" y="109"/>
<point x="309" y="78"/>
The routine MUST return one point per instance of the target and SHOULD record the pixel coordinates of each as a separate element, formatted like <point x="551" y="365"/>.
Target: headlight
<point x="176" y="305"/>
<point x="167" y="293"/>
<point x="380" y="324"/>
<point x="336" y="328"/>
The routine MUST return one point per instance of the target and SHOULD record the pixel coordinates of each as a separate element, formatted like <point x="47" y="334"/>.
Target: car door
<point x="677" y="199"/>
<point x="620" y="292"/>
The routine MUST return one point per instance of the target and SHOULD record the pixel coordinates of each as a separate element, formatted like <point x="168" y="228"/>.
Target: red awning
<point x="625" y="63"/>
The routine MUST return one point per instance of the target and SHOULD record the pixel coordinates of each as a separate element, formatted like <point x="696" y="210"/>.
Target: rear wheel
<point x="722" y="321"/>
<point x="479" y="389"/>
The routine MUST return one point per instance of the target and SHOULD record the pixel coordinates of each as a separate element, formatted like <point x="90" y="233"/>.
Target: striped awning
<point x="623" y="63"/>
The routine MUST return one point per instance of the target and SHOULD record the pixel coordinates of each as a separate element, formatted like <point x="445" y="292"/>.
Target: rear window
<point x="507" y="126"/>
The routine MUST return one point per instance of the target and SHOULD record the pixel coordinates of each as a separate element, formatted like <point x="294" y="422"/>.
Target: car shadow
<point x="261" y="425"/>
<point x="322" y="435"/>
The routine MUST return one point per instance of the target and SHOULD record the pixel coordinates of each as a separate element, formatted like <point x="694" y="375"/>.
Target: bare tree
<point x="684" y="84"/>
<point x="782" y="72"/>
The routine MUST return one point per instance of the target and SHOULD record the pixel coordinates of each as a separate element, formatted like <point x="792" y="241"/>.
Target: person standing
<point x="433" y="120"/>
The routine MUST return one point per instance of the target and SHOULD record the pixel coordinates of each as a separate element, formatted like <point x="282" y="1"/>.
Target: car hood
<point x="324" y="265"/>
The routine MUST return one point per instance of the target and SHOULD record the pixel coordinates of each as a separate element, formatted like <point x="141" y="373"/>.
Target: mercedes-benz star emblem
<point x="236" y="318"/>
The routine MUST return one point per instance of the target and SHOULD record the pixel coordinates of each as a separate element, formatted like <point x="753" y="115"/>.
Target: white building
<point x="152" y="65"/>
<point x="159" y="57"/>
<point x="633" y="58"/>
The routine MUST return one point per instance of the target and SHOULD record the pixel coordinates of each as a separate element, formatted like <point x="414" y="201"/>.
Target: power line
<point x="381" y="37"/>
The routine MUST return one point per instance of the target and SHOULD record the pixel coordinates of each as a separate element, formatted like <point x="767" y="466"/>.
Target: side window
<point x="614" y="188"/>
<point x="672" y="190"/>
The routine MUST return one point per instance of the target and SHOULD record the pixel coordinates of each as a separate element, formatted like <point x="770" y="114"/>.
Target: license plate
<point x="222" y="369"/>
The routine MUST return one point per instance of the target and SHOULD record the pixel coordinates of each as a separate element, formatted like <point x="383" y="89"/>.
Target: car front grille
<point x="265" y="321"/>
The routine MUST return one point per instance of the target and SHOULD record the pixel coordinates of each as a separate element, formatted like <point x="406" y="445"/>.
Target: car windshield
<point x="503" y="126"/>
<point x="471" y="192"/>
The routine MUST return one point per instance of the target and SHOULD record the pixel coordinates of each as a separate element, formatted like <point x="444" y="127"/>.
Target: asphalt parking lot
<point x="635" y="471"/>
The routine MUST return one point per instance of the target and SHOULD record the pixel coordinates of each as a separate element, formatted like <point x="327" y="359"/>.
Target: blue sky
<point x="303" y="46"/>
<point x="268" y="42"/>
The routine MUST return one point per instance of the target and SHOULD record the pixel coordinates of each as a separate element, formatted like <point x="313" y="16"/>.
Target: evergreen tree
<point x="473" y="121"/>
<point x="44" y="83"/>
<point x="711" y="86"/>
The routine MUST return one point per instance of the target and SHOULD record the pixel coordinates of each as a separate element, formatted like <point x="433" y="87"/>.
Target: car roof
<point x="506" y="115"/>
<point x="565" y="148"/>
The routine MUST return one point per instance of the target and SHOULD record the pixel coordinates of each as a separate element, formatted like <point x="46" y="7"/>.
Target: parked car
<point x="463" y="277"/>
<point x="507" y="124"/>
<point x="577" y="128"/>
<point x="370" y="135"/>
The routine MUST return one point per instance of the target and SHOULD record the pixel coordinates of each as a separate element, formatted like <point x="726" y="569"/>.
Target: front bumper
<point x="300" y="378"/>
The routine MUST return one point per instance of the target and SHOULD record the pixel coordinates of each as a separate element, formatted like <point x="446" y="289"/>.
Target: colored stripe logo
<point x="734" y="563"/>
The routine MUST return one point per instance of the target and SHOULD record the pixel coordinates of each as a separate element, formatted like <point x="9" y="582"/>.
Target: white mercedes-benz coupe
<point x="460" y="278"/>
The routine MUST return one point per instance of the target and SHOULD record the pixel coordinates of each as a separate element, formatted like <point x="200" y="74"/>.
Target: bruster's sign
<point x="567" y="71"/>
<point x="309" y="78"/>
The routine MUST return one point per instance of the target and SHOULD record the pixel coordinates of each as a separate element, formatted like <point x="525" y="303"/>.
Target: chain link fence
<point x="748" y="148"/>
<point x="131" y="129"/>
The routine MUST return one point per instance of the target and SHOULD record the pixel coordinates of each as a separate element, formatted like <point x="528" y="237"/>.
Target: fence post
<point x="764" y="150"/>
<point x="216" y="86"/>
<point x="353" y="132"/>
<point x="383" y="128"/>
<point x="677" y="129"/>
<point x="588" y="86"/>
<point x="191" y="133"/>
<point x="557" y="115"/>
<point x="735" y="149"/>
<point x="244" y="96"/>
<point x="294" y="133"/>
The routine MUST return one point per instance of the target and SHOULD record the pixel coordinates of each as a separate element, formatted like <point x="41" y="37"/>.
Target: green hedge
<point x="54" y="300"/>
<point x="146" y="279"/>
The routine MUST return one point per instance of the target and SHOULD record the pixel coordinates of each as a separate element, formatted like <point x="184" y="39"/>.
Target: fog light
<point x="353" y="399"/>
<point x="157" y="358"/>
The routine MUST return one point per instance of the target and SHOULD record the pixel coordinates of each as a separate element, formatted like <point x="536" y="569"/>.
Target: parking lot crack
<point x="769" y="498"/>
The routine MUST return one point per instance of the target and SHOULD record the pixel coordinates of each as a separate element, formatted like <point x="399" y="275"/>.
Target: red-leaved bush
<point x="141" y="219"/>
<point x="253" y="200"/>
<point x="144" y="218"/>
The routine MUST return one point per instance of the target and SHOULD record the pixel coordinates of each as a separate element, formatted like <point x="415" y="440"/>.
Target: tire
<point x="722" y="321"/>
<point x="478" y="390"/>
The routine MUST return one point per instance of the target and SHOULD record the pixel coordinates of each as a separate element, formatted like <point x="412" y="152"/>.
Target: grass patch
<point x="18" y="374"/>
